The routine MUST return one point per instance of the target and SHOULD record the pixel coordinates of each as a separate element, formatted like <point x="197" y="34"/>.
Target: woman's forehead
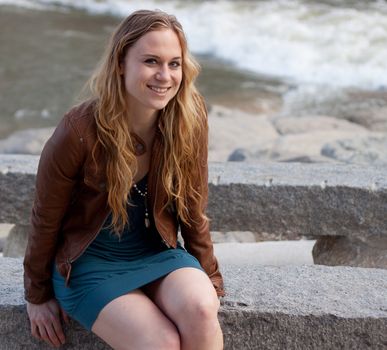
<point x="157" y="43"/>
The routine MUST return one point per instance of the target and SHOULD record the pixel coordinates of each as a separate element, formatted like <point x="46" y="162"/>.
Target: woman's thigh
<point x="133" y="321"/>
<point x="183" y="292"/>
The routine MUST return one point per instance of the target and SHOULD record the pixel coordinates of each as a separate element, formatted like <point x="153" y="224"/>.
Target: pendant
<point x="147" y="223"/>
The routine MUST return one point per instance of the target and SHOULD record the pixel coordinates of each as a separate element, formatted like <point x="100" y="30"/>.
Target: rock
<point x="351" y="251"/>
<point x="249" y="237"/>
<point x="265" y="307"/>
<point x="311" y="143"/>
<point x="238" y="155"/>
<point x="366" y="108"/>
<point x="236" y="236"/>
<point x="373" y="119"/>
<point x="16" y="243"/>
<point x="265" y="253"/>
<point x="30" y="141"/>
<point x="4" y="231"/>
<point x="305" y="147"/>
<point x="229" y="129"/>
<point x="361" y="150"/>
<point x="267" y="154"/>
<point x="307" y="124"/>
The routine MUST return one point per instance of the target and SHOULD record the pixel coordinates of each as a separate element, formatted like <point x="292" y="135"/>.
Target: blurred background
<point x="284" y="80"/>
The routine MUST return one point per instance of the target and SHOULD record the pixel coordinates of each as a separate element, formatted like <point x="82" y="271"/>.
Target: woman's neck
<point x="143" y="123"/>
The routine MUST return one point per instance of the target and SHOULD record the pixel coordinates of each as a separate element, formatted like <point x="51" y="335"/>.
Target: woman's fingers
<point x="57" y="327"/>
<point x="48" y="334"/>
<point x="35" y="331"/>
<point x="46" y="322"/>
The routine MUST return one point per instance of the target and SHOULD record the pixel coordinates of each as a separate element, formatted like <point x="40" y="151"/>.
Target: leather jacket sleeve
<point x="197" y="238"/>
<point x="59" y="165"/>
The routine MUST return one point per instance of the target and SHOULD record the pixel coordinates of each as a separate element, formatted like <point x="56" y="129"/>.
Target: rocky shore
<point x="354" y="131"/>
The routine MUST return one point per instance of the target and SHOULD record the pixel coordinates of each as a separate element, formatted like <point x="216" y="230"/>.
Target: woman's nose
<point x="163" y="74"/>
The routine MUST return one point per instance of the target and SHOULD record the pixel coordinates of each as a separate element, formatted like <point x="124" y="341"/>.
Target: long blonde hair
<point x="182" y="120"/>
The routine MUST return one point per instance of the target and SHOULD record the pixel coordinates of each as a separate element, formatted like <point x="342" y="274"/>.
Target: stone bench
<point x="266" y="307"/>
<point x="343" y="207"/>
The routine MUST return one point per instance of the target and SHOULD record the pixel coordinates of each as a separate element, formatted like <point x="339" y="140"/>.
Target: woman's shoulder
<point x="81" y="118"/>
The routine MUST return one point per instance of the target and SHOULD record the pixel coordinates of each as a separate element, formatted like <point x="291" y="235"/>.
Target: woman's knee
<point x="201" y="314"/>
<point x="205" y="308"/>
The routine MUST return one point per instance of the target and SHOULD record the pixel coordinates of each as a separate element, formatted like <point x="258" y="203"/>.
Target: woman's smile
<point x="159" y="89"/>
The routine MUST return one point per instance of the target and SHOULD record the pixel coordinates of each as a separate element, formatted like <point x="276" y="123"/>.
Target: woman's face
<point x="152" y="70"/>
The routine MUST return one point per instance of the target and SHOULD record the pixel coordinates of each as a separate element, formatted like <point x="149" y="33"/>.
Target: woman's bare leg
<point x="188" y="298"/>
<point x="133" y="321"/>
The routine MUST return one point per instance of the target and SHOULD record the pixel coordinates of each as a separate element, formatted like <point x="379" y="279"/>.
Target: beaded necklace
<point x="144" y="195"/>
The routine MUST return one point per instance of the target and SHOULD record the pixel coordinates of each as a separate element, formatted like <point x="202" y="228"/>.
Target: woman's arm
<point x="197" y="238"/>
<point x="60" y="162"/>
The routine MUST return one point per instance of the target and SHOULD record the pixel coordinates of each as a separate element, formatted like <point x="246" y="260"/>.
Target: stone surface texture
<point x="306" y="124"/>
<point x="301" y="199"/>
<point x="266" y="307"/>
<point x="16" y="243"/>
<point x="361" y="150"/>
<point x="278" y="253"/>
<point x="224" y="125"/>
<point x="17" y="181"/>
<point x="4" y="231"/>
<point x="350" y="251"/>
<point x="281" y="199"/>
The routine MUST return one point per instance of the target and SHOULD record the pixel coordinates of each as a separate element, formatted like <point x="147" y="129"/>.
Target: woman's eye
<point x="150" y="61"/>
<point x="175" y="64"/>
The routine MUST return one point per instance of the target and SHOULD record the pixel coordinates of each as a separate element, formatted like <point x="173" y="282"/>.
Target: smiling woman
<point x="123" y="171"/>
<point x="152" y="71"/>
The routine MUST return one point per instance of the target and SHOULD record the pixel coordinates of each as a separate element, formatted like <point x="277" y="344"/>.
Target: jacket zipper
<point x="69" y="261"/>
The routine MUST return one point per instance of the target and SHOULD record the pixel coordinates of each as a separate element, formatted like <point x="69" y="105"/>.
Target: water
<point x="340" y="43"/>
<point x="259" y="56"/>
<point x="48" y="54"/>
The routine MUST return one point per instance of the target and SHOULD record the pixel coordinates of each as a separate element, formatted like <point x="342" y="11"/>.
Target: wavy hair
<point x="181" y="121"/>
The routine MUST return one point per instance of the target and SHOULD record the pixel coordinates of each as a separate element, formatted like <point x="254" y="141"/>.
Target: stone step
<point x="266" y="307"/>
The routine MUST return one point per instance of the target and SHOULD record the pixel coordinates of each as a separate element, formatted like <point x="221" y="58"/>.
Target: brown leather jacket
<point x="70" y="206"/>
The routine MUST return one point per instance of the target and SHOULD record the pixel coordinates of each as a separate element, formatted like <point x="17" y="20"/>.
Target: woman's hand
<point x="45" y="322"/>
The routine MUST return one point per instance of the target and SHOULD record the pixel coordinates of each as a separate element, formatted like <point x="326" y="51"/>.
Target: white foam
<point x="305" y="42"/>
<point x="23" y="3"/>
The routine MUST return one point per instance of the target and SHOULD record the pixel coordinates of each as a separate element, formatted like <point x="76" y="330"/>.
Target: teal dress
<point x="112" y="266"/>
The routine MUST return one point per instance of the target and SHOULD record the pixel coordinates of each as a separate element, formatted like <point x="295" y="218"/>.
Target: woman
<point x="120" y="174"/>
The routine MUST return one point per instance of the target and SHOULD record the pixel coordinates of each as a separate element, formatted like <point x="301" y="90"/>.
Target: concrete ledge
<point x="278" y="198"/>
<point x="267" y="307"/>
<point x="294" y="198"/>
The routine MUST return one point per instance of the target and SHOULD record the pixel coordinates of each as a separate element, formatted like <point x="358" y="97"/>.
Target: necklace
<point x="144" y="195"/>
<point x="139" y="144"/>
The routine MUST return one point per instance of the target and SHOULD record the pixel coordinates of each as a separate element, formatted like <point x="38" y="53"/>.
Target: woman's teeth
<point x="158" y="89"/>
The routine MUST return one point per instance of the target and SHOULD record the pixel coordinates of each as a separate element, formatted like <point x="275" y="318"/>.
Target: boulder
<point x="311" y="143"/>
<point x="235" y="236"/>
<point x="303" y="147"/>
<point x="366" y="108"/>
<point x="307" y="124"/>
<point x="4" y="231"/>
<point x="351" y="251"/>
<point x="360" y="150"/>
<point x="30" y="141"/>
<point x="16" y="243"/>
<point x="231" y="128"/>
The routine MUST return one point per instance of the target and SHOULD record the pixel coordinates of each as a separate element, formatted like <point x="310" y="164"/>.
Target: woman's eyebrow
<point x="158" y="57"/>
